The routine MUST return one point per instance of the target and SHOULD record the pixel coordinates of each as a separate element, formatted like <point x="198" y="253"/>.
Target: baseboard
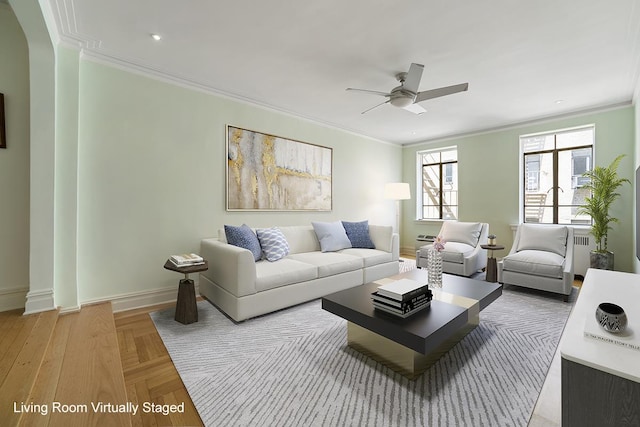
<point x="12" y="299"/>
<point x="133" y="300"/>
<point x="39" y="301"/>
<point x="408" y="251"/>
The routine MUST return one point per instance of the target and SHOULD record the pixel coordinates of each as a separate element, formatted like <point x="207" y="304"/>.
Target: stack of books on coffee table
<point x="402" y="297"/>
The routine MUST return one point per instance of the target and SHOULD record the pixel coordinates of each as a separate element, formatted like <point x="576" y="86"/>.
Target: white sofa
<point x="244" y="288"/>
<point x="462" y="254"/>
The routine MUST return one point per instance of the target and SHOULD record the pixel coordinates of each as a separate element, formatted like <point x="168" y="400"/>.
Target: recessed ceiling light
<point x="559" y="101"/>
<point x="156" y="37"/>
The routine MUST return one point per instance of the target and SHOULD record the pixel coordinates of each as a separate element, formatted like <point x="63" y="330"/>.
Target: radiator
<point x="583" y="244"/>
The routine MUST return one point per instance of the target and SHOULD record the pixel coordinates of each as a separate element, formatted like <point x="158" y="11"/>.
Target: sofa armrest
<point x="568" y="263"/>
<point x="230" y="267"/>
<point x="385" y="239"/>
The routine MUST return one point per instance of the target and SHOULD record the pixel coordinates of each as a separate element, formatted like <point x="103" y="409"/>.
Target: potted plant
<point x="603" y="184"/>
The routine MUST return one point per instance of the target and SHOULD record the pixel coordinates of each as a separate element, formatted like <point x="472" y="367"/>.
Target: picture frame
<point x="265" y="172"/>
<point x="3" y="134"/>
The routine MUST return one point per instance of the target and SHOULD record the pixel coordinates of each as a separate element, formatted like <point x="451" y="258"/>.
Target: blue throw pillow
<point x="331" y="235"/>
<point x="274" y="244"/>
<point x="243" y="237"/>
<point x="358" y="234"/>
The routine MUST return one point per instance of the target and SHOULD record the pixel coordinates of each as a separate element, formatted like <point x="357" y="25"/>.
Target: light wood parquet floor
<point x="149" y="373"/>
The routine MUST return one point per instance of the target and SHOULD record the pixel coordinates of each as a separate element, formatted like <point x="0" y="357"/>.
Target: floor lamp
<point x="397" y="191"/>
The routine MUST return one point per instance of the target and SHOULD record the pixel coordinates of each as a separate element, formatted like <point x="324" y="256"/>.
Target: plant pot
<point x="601" y="260"/>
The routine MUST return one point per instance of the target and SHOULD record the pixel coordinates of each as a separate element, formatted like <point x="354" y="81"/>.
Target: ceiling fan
<point x="406" y="95"/>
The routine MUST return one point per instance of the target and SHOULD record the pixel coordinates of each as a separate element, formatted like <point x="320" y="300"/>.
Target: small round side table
<point x="492" y="265"/>
<point x="186" y="307"/>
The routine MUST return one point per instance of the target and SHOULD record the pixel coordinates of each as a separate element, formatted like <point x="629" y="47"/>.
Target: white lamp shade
<point x="397" y="191"/>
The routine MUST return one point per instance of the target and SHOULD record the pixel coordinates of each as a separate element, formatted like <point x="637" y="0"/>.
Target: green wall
<point x="151" y="176"/>
<point x="14" y="160"/>
<point x="636" y="262"/>
<point x="488" y="172"/>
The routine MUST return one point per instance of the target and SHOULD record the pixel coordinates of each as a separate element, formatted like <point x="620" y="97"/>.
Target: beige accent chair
<point x="541" y="258"/>
<point x="462" y="254"/>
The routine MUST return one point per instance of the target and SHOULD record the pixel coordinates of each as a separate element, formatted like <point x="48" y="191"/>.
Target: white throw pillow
<point x="273" y="243"/>
<point x="543" y="238"/>
<point x="331" y="235"/>
<point x="461" y="232"/>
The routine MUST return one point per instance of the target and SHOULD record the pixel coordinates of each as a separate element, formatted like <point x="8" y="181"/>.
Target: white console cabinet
<point x="600" y="379"/>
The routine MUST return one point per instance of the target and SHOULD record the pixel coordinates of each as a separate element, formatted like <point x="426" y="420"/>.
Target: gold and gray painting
<point x="274" y="173"/>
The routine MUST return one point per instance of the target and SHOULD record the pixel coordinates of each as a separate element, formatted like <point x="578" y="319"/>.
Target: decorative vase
<point x="434" y="268"/>
<point x="601" y="260"/>
<point x="611" y="317"/>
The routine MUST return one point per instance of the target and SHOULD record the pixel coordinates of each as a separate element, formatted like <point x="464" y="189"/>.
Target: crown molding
<point x="158" y="74"/>
<point x="535" y="121"/>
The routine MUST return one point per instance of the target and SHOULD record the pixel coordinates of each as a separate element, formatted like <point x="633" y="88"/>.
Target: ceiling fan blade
<point x="415" y="109"/>
<point x="376" y="106"/>
<point x="372" y="92"/>
<point x="412" y="80"/>
<point x="442" y="91"/>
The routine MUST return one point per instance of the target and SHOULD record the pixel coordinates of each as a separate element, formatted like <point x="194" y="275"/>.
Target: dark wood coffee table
<point x="410" y="346"/>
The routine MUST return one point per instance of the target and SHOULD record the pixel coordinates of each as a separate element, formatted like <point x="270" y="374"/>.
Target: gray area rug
<point x="293" y="368"/>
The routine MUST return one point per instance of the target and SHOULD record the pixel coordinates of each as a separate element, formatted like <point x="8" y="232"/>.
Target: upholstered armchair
<point x="462" y="254"/>
<point x="541" y="258"/>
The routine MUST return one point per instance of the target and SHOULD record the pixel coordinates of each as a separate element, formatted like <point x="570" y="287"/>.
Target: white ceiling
<point x="518" y="56"/>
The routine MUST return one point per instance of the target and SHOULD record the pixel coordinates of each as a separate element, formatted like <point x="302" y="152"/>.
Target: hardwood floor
<point x="23" y="342"/>
<point x="149" y="373"/>
<point x="80" y="359"/>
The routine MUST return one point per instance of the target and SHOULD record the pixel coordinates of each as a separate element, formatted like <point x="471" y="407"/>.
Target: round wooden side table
<point x="492" y="265"/>
<point x="186" y="307"/>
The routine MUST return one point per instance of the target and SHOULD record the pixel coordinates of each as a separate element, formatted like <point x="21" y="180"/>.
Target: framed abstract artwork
<point x="268" y="172"/>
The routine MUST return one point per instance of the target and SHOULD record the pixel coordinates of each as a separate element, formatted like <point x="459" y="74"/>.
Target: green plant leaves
<point x="603" y="184"/>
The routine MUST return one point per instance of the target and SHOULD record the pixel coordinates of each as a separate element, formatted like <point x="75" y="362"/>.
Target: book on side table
<point x="184" y="260"/>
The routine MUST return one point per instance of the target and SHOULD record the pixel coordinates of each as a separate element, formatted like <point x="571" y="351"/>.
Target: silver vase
<point x="434" y="268"/>
<point x="611" y="317"/>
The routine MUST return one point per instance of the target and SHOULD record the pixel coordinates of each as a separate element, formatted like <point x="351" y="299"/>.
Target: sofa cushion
<point x="537" y="263"/>
<point x="461" y="232"/>
<point x="358" y="234"/>
<point x="370" y="257"/>
<point x="331" y="236"/>
<point x="270" y="275"/>
<point x="301" y="238"/>
<point x="543" y="238"/>
<point x="329" y="263"/>
<point x="274" y="245"/>
<point x="456" y="252"/>
<point x="243" y="237"/>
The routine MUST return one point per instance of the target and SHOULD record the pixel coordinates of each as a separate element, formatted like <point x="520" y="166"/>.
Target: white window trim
<point x="418" y="207"/>
<point x="521" y="156"/>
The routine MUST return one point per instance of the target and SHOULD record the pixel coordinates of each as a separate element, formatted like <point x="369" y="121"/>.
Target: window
<point x="438" y="178"/>
<point x="552" y="181"/>
<point x="532" y="172"/>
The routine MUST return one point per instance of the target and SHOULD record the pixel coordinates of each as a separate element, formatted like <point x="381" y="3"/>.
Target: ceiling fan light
<point x="401" y="101"/>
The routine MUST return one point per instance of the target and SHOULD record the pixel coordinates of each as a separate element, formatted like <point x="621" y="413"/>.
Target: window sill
<point x="431" y="221"/>
<point x="580" y="230"/>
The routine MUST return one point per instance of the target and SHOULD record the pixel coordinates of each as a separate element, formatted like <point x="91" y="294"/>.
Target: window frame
<point x="555" y="152"/>
<point x="449" y="178"/>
